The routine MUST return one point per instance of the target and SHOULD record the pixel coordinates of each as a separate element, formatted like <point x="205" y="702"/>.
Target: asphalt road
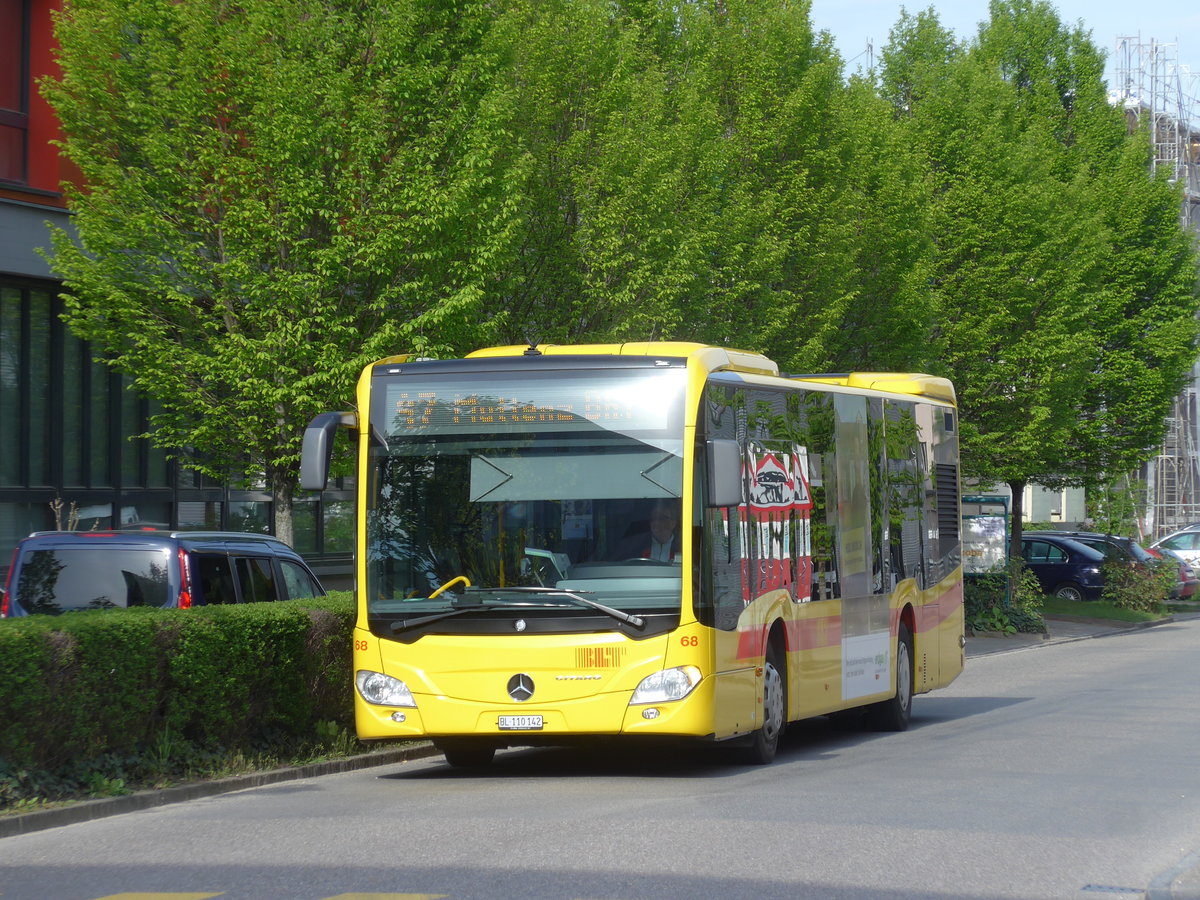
<point x="1047" y="770"/>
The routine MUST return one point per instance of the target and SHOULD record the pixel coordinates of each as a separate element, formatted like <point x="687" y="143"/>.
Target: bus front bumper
<point x="519" y="723"/>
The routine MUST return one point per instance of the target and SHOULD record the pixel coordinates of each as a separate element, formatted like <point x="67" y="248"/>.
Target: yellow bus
<point x="645" y="540"/>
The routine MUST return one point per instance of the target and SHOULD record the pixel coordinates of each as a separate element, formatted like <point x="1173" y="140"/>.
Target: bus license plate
<point x="520" y="723"/>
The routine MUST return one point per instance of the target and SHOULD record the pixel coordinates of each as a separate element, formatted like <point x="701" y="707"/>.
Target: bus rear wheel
<point x="467" y="754"/>
<point x="764" y="743"/>
<point x="893" y="714"/>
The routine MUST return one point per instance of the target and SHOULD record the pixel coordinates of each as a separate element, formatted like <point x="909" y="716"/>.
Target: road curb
<point x="88" y="810"/>
<point x="985" y="643"/>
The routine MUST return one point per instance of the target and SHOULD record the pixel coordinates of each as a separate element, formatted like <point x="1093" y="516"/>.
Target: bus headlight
<point x="667" y="685"/>
<point x="383" y="690"/>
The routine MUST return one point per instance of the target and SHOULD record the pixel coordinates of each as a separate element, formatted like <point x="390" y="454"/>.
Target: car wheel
<point x="1069" y="592"/>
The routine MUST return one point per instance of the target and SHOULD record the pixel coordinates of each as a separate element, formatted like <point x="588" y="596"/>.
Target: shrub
<point x="1007" y="601"/>
<point x="93" y="701"/>
<point x="1136" y="587"/>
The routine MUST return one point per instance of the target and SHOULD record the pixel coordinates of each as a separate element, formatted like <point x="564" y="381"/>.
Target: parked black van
<point x="61" y="571"/>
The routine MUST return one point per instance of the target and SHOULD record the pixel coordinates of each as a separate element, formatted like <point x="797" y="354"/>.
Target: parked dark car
<point x="61" y="571"/>
<point x="1113" y="546"/>
<point x="1123" y="549"/>
<point x="1064" y="567"/>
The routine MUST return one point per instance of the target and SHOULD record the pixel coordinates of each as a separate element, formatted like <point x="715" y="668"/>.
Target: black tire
<point x="467" y="754"/>
<point x="764" y="743"/>
<point x="1069" y="591"/>
<point x="893" y="714"/>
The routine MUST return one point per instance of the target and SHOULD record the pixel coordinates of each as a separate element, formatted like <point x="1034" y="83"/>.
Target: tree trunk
<point x="1018" y="515"/>
<point x="283" y="489"/>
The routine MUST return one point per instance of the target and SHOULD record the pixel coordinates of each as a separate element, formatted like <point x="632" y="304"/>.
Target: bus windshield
<point x="536" y="491"/>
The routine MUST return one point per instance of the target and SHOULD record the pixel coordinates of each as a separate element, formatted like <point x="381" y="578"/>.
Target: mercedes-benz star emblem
<point x="520" y="687"/>
<point x="519" y="625"/>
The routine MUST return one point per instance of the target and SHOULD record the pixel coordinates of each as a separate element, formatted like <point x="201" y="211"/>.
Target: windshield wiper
<point x="459" y="607"/>
<point x="463" y="605"/>
<point x="620" y="615"/>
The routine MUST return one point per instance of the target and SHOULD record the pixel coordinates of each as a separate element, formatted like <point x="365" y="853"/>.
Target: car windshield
<point x="554" y="483"/>
<point x="74" y="578"/>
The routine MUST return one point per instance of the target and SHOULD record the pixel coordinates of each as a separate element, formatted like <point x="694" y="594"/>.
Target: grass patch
<point x="1096" y="609"/>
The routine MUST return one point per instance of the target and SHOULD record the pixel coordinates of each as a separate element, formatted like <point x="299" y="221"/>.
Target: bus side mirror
<point x="724" y="473"/>
<point x="317" y="447"/>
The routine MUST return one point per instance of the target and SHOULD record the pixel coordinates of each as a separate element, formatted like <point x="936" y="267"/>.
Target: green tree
<point x="627" y="159"/>
<point x="1146" y="321"/>
<point x="278" y="192"/>
<point x="812" y="212"/>
<point x="1044" y="218"/>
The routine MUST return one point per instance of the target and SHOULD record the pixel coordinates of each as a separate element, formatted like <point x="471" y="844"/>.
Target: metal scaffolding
<point x="1153" y="87"/>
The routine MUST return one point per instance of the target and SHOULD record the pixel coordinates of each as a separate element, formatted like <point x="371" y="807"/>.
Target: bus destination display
<point x="630" y="408"/>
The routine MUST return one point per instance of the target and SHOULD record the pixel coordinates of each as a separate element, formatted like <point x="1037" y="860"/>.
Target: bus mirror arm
<point x="317" y="447"/>
<point x="724" y="473"/>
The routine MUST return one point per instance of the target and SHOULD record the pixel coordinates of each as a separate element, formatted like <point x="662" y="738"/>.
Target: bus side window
<point x="904" y="492"/>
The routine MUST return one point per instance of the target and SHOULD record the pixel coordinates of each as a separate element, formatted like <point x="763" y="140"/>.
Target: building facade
<point x="68" y="451"/>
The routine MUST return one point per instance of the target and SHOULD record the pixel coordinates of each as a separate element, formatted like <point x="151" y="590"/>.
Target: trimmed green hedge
<point x="114" y="682"/>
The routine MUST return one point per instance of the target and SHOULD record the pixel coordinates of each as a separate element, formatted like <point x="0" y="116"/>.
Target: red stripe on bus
<point x="826" y="631"/>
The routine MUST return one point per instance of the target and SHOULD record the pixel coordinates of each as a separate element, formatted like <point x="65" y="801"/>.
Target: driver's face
<point x="662" y="525"/>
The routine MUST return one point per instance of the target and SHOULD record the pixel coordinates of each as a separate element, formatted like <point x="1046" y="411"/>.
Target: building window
<point x="14" y="89"/>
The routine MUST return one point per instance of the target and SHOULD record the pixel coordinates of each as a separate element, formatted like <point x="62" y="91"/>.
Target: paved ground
<point x="1181" y="883"/>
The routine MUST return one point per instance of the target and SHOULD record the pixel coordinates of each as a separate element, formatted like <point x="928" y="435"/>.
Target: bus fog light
<point x="650" y="713"/>
<point x="383" y="690"/>
<point x="398" y="717"/>
<point x="667" y="685"/>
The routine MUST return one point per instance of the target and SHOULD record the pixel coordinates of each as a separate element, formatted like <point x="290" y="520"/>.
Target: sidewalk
<point x="1059" y="631"/>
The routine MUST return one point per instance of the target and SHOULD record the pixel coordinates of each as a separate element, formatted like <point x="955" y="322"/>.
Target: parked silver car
<point x="1184" y="544"/>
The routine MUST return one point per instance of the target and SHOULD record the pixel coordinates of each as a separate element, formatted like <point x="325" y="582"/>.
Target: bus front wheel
<point x="765" y="741"/>
<point x="467" y="754"/>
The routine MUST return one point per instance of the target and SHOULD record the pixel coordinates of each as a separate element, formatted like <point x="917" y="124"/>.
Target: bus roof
<point x="721" y="358"/>
<point x="713" y="358"/>
<point x="914" y="383"/>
